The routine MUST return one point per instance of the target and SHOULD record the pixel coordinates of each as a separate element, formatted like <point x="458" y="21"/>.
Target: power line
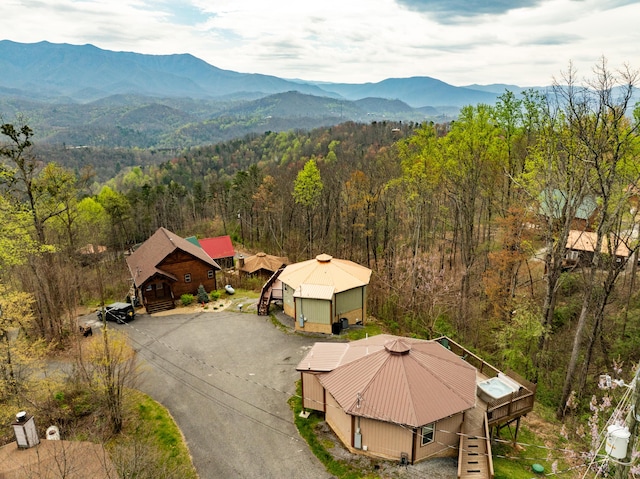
<point x="294" y="394"/>
<point x="212" y="398"/>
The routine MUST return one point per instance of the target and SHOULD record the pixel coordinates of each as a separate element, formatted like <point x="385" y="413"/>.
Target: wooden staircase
<point x="158" y="306"/>
<point x="266" y="293"/>
<point x="474" y="457"/>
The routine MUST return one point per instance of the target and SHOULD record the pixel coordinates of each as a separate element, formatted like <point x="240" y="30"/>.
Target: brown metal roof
<point x="328" y="356"/>
<point x="342" y="274"/>
<point x="143" y="262"/>
<point x="263" y="261"/>
<point x="406" y="381"/>
<point x="324" y="357"/>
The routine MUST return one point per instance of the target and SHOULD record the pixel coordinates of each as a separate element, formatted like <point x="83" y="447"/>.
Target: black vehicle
<point x="118" y="312"/>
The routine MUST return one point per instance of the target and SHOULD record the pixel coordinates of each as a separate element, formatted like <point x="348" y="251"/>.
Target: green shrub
<point x="186" y="299"/>
<point x="570" y="283"/>
<point x="214" y="295"/>
<point x="565" y="313"/>
<point x="203" y="297"/>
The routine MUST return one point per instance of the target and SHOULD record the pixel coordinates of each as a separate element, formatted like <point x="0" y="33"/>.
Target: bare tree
<point x="112" y="370"/>
<point x="597" y="117"/>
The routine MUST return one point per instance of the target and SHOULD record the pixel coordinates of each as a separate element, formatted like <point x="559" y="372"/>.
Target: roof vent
<point x="53" y="433"/>
<point x="261" y="254"/>
<point x="324" y="258"/>
<point x="397" y="346"/>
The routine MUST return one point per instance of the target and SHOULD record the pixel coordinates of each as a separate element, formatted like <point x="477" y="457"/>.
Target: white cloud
<point x="348" y="41"/>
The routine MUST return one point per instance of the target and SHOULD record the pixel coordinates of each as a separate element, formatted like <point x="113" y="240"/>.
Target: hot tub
<point x="495" y="388"/>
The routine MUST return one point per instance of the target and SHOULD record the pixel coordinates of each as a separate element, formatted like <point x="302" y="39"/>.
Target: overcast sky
<point x="523" y="42"/>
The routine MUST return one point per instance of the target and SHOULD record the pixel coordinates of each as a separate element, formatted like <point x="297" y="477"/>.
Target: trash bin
<point x="336" y="328"/>
<point x="345" y="323"/>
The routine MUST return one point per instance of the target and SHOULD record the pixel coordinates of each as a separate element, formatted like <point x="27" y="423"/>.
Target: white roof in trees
<point x="324" y="270"/>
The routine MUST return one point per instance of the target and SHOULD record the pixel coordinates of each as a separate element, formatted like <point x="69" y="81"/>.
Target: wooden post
<point x="622" y="469"/>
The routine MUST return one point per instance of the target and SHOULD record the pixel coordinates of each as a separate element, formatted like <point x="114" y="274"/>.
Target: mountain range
<point x="80" y="94"/>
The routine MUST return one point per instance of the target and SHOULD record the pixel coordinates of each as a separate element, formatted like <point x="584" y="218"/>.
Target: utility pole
<point x="622" y="469"/>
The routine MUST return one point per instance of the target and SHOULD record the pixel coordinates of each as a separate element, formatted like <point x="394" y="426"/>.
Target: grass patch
<point x="245" y="293"/>
<point x="516" y="462"/>
<point x="152" y="424"/>
<point x="165" y="432"/>
<point x="306" y="428"/>
<point x="369" y="329"/>
<point x="278" y="324"/>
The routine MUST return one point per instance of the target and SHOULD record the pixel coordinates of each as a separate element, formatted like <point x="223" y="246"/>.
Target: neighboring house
<point x="325" y="294"/>
<point x="552" y="205"/>
<point x="167" y="266"/>
<point x="581" y="246"/>
<point x="90" y="248"/>
<point x="410" y="400"/>
<point x="264" y="265"/>
<point x="261" y="264"/>
<point x="220" y="249"/>
<point x="633" y="191"/>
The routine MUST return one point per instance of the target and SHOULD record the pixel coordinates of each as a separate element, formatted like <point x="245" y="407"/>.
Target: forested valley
<point x="464" y="224"/>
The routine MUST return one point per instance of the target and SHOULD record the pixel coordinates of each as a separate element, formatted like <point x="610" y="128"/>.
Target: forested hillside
<point x="465" y="224"/>
<point x="140" y="122"/>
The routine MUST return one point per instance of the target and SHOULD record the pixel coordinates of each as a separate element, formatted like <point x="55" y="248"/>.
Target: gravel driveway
<point x="226" y="377"/>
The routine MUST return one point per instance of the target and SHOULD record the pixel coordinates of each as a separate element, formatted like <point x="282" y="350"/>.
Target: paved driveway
<point x="226" y="377"/>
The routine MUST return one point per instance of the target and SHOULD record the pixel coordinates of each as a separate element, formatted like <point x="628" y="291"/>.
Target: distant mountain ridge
<point x="82" y="73"/>
<point x="86" y="73"/>
<point x="81" y="95"/>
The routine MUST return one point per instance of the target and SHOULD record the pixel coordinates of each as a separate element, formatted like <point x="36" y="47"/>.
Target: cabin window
<point x="427" y="434"/>
<point x="149" y="287"/>
<point x="187" y="278"/>
<point x="210" y="274"/>
<point x="159" y="285"/>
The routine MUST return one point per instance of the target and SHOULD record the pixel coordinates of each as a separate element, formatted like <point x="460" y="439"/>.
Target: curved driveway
<point x="226" y="377"/>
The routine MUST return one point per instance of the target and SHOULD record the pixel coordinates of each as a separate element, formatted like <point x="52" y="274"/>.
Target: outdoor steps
<point x="265" y="295"/>
<point x="265" y="299"/>
<point x="474" y="458"/>
<point x="158" y="306"/>
<point x="474" y="462"/>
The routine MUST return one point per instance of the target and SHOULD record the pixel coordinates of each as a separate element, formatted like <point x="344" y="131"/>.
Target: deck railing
<point x="487" y="438"/>
<point x="265" y="294"/>
<point x="482" y="366"/>
<point x="460" y="452"/>
<point x="511" y="406"/>
<point x="515" y="404"/>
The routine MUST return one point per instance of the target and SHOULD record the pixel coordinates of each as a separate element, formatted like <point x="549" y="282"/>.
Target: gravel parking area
<point x="226" y="378"/>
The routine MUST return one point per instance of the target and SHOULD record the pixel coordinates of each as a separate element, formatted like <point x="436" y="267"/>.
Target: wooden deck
<point x="506" y="409"/>
<point x="474" y="455"/>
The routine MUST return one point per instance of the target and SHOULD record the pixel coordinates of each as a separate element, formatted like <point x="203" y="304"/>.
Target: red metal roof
<point x="218" y="247"/>
<point x="406" y="381"/>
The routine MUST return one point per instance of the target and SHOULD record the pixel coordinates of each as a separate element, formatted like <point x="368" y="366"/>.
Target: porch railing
<point x="500" y="410"/>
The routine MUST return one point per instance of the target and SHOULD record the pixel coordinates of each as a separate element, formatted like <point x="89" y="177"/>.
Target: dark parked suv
<point x="118" y="312"/>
